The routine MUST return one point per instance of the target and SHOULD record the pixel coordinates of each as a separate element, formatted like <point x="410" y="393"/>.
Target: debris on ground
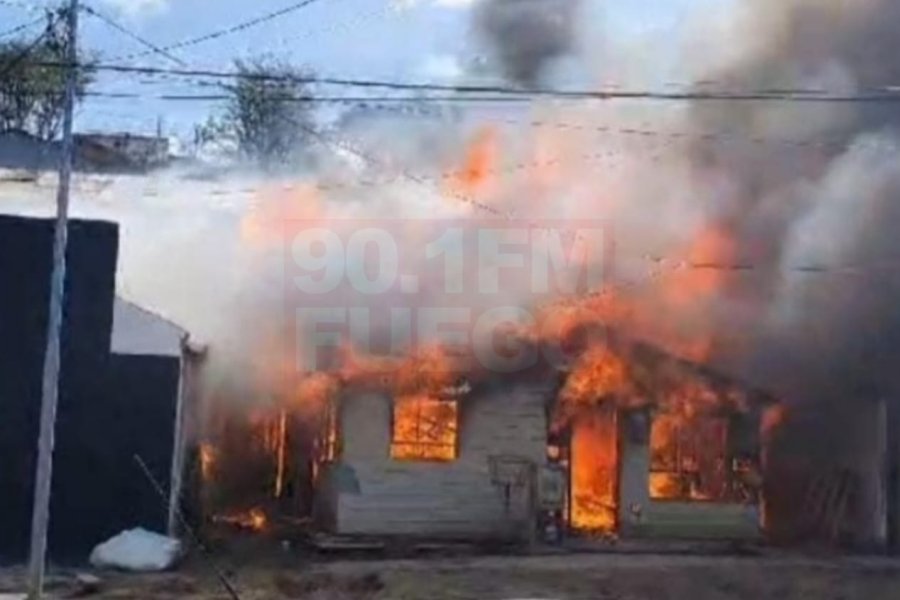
<point x="335" y="543"/>
<point x="85" y="584"/>
<point x="363" y="586"/>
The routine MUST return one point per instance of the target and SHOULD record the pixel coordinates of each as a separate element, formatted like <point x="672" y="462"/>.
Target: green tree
<point x="32" y="93"/>
<point x="267" y="114"/>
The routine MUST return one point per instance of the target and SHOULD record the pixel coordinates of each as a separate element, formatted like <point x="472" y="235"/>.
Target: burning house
<point x="631" y="442"/>
<point x="754" y="238"/>
<point x="623" y="440"/>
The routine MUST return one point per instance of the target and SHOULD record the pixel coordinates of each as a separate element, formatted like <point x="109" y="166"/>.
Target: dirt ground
<point x="594" y="577"/>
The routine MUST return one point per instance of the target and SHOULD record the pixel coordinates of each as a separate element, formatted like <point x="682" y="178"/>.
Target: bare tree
<point x="268" y="116"/>
<point x="31" y="88"/>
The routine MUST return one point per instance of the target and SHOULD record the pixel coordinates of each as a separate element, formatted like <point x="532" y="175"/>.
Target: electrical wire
<point x="22" y="27"/>
<point x="227" y="31"/>
<point x="800" y="96"/>
<point x="389" y="104"/>
<point x="28" y="6"/>
<point x="122" y="29"/>
<point x="10" y="66"/>
<point x="308" y="99"/>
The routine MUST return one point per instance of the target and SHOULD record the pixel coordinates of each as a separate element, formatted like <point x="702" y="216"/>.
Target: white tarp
<point x="137" y="550"/>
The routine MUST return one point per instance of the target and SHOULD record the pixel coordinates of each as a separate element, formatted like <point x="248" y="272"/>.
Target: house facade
<point x="437" y="467"/>
<point x="491" y="464"/>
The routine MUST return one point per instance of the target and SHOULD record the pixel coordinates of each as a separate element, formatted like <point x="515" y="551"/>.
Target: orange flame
<point x="254" y="519"/>
<point x="688" y="458"/>
<point x="207" y="461"/>
<point x="594" y="472"/>
<point x="282" y="441"/>
<point x="424" y="429"/>
<point x="475" y="177"/>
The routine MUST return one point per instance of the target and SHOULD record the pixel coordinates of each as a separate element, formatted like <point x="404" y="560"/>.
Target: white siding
<point x="440" y="499"/>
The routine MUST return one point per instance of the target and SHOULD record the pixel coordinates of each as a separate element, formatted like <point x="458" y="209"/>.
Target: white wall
<point x="137" y="331"/>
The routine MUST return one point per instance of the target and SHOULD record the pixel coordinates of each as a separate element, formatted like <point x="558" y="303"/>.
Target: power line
<point x="370" y="160"/>
<point x="389" y="104"/>
<point x="800" y="96"/>
<point x="21" y="56"/>
<point x="22" y="27"/>
<point x="675" y="265"/>
<point x="442" y="178"/>
<point x="311" y="99"/>
<point x="27" y="6"/>
<point x="383" y="8"/>
<point x="674" y="136"/>
<point x="122" y="29"/>
<point x="229" y="30"/>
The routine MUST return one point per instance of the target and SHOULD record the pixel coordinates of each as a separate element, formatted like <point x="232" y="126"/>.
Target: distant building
<point x="104" y="152"/>
<point x="21" y="151"/>
<point x="121" y="151"/>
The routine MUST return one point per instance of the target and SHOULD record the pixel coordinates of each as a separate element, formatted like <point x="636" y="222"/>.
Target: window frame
<point x="727" y="498"/>
<point x="419" y="443"/>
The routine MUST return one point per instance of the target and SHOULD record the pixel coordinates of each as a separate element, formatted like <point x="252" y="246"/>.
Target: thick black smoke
<point x="526" y="36"/>
<point x="814" y="204"/>
<point x="827" y="196"/>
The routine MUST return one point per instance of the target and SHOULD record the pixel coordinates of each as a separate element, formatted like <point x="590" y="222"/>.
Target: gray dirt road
<point x="588" y="577"/>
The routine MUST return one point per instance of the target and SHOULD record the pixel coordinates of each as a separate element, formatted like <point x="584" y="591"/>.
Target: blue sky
<point x="404" y="40"/>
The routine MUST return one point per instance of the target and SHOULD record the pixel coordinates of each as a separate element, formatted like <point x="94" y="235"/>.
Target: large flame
<point x="594" y="465"/>
<point x="670" y="309"/>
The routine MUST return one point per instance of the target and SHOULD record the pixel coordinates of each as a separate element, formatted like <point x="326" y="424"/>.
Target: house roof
<point x="138" y="331"/>
<point x="653" y="371"/>
<point x="654" y="356"/>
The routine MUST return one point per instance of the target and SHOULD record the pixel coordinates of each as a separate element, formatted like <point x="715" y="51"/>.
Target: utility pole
<point x="50" y="388"/>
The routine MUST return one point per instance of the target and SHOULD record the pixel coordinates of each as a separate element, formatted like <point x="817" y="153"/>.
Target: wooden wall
<point x="381" y="496"/>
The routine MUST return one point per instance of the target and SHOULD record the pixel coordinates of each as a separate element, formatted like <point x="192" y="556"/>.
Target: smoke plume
<point x="526" y="36"/>
<point x="826" y="197"/>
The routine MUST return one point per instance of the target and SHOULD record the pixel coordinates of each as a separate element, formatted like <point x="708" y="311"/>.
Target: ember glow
<point x="254" y="520"/>
<point x="281" y="453"/>
<point x="207" y="461"/>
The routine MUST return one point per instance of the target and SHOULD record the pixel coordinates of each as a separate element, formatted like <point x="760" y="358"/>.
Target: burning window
<point x="425" y="428"/>
<point x="689" y="458"/>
